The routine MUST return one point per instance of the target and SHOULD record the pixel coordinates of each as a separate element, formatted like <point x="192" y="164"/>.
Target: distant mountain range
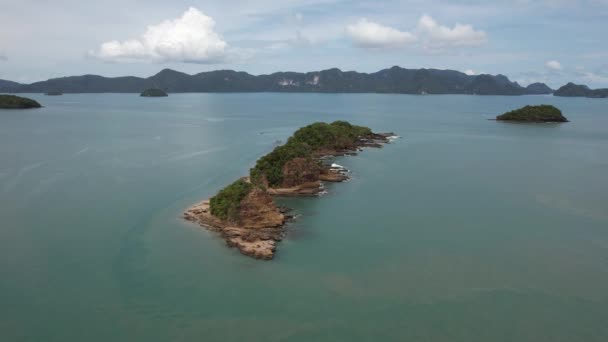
<point x="394" y="80"/>
<point x="8" y="84"/>
<point x="577" y="90"/>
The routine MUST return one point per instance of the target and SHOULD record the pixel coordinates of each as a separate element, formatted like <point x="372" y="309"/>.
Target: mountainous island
<point x="577" y="90"/>
<point x="17" y="102"/>
<point x="539" y="89"/>
<point x="395" y="80"/>
<point x="542" y="113"/>
<point x="244" y="212"/>
<point x="153" y="92"/>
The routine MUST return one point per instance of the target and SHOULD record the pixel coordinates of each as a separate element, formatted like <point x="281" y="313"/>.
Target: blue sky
<point x="552" y="41"/>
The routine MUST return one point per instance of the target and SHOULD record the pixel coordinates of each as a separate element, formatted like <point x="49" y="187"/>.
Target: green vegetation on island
<point x="226" y="204"/>
<point x="17" y="102"/>
<point x="154" y="92"/>
<point x="542" y="113"/>
<point x="306" y="143"/>
<point x="245" y="212"/>
<point x="339" y="135"/>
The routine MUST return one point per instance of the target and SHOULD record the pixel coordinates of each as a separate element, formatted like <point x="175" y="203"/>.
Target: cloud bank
<point x="369" y="34"/>
<point x="432" y="35"/>
<point x="188" y="39"/>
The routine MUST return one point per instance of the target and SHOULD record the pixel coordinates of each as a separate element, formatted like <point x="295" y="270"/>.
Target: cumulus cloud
<point x="189" y="39"/>
<point x="553" y="65"/>
<point x="428" y="32"/>
<point x="435" y="35"/>
<point x="369" y="34"/>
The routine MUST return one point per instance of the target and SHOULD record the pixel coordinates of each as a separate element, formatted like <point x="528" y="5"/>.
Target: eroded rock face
<point x="331" y="175"/>
<point x="299" y="171"/>
<point x="259" y="211"/>
<point x="301" y="190"/>
<point x="257" y="234"/>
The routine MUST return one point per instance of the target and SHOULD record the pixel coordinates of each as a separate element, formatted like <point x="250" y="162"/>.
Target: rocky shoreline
<point x="262" y="224"/>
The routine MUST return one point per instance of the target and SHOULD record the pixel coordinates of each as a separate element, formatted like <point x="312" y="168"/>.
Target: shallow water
<point x="463" y="230"/>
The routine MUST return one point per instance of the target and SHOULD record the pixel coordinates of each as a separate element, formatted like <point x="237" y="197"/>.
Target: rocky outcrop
<point x="303" y="177"/>
<point x="244" y="212"/>
<point x="301" y="190"/>
<point x="300" y="171"/>
<point x="257" y="233"/>
<point x="259" y="211"/>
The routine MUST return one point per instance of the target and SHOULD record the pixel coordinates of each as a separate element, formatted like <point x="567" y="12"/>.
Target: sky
<point x="551" y="41"/>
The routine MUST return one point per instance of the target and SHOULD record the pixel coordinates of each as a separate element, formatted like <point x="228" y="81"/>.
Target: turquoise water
<point x="463" y="230"/>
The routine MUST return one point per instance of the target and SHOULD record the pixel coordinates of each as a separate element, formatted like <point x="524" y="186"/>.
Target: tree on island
<point x="542" y="113"/>
<point x="17" y="102"/>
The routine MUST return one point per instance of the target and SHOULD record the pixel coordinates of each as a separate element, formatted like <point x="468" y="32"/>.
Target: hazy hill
<point x="539" y="88"/>
<point x="4" y="84"/>
<point x="577" y="90"/>
<point x="393" y="80"/>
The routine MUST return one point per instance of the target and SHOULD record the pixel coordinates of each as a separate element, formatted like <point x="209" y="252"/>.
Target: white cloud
<point x="436" y="36"/>
<point x="369" y="34"/>
<point x="190" y="39"/>
<point x="471" y="72"/>
<point x="553" y="65"/>
<point x="3" y="58"/>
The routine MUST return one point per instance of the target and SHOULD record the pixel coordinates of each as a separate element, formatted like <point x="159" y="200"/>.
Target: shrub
<point x="305" y="141"/>
<point x="542" y="113"/>
<point x="227" y="203"/>
<point x="17" y="102"/>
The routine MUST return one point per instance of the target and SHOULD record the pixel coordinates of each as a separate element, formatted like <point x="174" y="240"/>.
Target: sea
<point x="463" y="229"/>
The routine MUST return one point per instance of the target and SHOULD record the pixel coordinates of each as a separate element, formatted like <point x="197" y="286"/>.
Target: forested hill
<point x="393" y="80"/>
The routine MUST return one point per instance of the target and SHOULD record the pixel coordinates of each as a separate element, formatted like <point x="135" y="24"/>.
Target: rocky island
<point x="153" y="92"/>
<point x="245" y="214"/>
<point x="53" y="93"/>
<point x="542" y="113"/>
<point x="17" y="102"/>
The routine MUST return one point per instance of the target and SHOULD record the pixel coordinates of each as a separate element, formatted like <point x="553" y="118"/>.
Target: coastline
<point x="264" y="224"/>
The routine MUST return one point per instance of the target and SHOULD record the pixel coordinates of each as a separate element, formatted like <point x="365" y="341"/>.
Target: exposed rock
<point x="245" y="213"/>
<point x="301" y="190"/>
<point x="260" y="229"/>
<point x="300" y="171"/>
<point x="333" y="175"/>
<point x="258" y="211"/>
